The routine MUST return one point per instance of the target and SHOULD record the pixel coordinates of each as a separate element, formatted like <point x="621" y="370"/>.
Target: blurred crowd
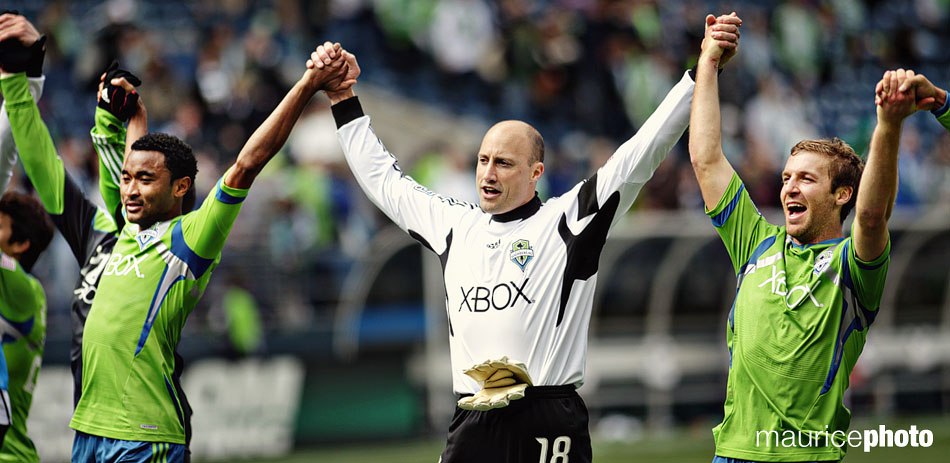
<point x="586" y="73"/>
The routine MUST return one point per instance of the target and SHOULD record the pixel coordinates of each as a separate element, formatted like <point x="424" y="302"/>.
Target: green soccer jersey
<point x="795" y="331"/>
<point x="147" y="289"/>
<point x="23" y="333"/>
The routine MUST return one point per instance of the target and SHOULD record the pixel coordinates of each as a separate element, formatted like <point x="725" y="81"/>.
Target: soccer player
<point x="25" y="231"/>
<point x="929" y="96"/>
<point x="59" y="193"/>
<point x="519" y="273"/>
<point x="806" y="295"/>
<point x="160" y="263"/>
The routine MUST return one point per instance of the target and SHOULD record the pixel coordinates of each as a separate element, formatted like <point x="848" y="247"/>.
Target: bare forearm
<point x="705" y="135"/>
<point x="267" y="140"/>
<point x="137" y="128"/>
<point x="878" y="187"/>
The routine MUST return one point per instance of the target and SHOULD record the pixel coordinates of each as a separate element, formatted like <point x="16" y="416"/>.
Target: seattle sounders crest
<point x="521" y="253"/>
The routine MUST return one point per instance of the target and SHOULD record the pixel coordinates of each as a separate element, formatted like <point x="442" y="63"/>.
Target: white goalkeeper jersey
<point x="519" y="284"/>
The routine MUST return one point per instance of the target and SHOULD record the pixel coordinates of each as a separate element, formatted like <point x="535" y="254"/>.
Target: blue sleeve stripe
<point x="224" y="197"/>
<point x="869" y="266"/>
<point x="197" y="264"/>
<point x="723" y="216"/>
<point x="763" y="246"/>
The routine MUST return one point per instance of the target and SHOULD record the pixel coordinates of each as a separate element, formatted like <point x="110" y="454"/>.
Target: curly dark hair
<point x="846" y="166"/>
<point x="179" y="159"/>
<point x="29" y="223"/>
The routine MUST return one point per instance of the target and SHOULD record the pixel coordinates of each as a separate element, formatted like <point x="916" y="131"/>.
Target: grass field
<point x="684" y="445"/>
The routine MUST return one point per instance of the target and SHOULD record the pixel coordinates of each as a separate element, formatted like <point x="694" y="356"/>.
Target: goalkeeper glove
<point x="114" y="98"/>
<point x="502" y="381"/>
<point x="16" y="57"/>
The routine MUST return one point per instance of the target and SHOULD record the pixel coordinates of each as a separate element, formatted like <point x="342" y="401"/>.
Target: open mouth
<point x="489" y="192"/>
<point x="795" y="210"/>
<point x="133" y="207"/>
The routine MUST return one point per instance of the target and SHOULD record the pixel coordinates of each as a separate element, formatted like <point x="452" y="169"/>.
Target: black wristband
<point x="34" y="67"/>
<point x="346" y="111"/>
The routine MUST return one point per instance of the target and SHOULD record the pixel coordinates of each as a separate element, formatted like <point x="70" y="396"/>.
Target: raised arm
<point x="878" y="187"/>
<point x="28" y="58"/>
<point x="117" y="101"/>
<point x="8" y="151"/>
<point x="713" y="171"/>
<point x="271" y="135"/>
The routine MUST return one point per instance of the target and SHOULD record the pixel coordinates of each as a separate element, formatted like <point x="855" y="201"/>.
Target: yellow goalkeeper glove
<point x="502" y="381"/>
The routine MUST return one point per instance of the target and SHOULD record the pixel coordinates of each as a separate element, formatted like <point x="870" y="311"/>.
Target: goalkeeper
<point x="519" y="274"/>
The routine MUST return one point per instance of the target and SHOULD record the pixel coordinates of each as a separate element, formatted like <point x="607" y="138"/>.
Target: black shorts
<point x="548" y="425"/>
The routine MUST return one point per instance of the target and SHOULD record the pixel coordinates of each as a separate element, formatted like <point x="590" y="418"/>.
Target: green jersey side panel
<point x="148" y="288"/>
<point x="23" y="333"/>
<point x="794" y="333"/>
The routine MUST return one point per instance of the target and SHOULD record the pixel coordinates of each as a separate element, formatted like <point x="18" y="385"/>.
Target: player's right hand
<point x="22" y="48"/>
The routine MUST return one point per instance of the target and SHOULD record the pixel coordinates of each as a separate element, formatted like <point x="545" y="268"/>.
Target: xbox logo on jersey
<point x="521" y="253"/>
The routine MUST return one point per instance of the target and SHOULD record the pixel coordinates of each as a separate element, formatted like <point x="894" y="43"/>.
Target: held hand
<point x="894" y="105"/>
<point x="22" y="48"/>
<point x="929" y="96"/>
<point x="729" y="31"/>
<point x="721" y="38"/>
<point x="117" y="92"/>
<point x="16" y="26"/>
<point x="328" y="55"/>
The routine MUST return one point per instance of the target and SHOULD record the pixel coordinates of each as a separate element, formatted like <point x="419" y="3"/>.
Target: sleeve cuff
<point x="227" y="194"/>
<point x="943" y="109"/>
<point x="346" y="111"/>
<point x="108" y="124"/>
<point x="692" y="72"/>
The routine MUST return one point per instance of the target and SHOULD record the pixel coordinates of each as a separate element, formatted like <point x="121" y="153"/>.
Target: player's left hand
<point x="894" y="105"/>
<point x="728" y="33"/>
<point x="330" y="55"/>
<point x="327" y="68"/>
<point x="721" y="38"/>
<point x="117" y="92"/>
<point x="929" y="96"/>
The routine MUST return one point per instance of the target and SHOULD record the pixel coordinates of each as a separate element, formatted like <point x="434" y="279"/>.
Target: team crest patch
<point x="822" y="261"/>
<point x="521" y="253"/>
<point x="145" y="237"/>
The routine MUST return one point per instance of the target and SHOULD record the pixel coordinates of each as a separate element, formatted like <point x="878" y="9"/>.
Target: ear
<point x="181" y="186"/>
<point x="537" y="171"/>
<point x="843" y="195"/>
<point x="17" y="249"/>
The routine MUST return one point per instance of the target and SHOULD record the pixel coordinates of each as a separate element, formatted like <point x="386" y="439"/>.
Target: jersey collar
<point x="521" y="212"/>
<point x="788" y="240"/>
